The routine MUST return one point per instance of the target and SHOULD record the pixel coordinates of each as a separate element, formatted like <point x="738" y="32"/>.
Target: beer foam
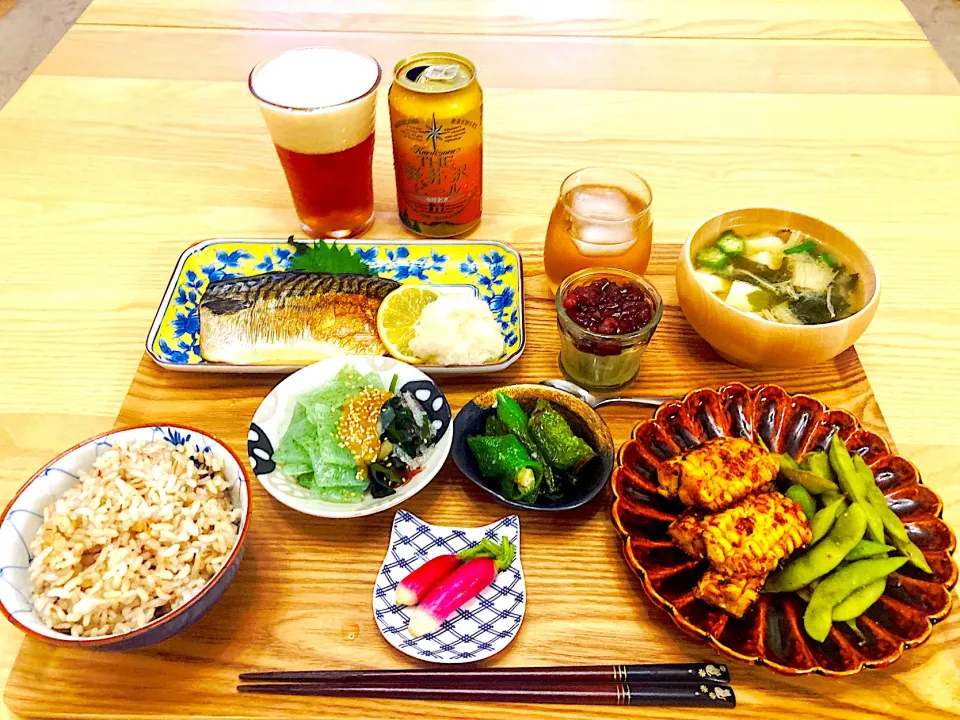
<point x="315" y="101"/>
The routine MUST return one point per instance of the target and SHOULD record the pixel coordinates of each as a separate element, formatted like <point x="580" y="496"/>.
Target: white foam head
<point x="317" y="100"/>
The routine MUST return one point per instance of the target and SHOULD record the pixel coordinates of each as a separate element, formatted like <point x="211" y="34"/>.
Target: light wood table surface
<point x="136" y="138"/>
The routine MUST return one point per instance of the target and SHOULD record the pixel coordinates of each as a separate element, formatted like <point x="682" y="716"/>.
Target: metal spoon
<point x="595" y="402"/>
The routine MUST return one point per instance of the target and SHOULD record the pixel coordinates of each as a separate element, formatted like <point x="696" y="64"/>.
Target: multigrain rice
<point x="138" y="536"/>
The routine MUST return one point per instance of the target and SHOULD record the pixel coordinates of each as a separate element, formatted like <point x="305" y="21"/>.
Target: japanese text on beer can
<point x="436" y="118"/>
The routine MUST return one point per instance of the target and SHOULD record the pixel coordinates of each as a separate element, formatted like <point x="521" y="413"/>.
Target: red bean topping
<point x="608" y="308"/>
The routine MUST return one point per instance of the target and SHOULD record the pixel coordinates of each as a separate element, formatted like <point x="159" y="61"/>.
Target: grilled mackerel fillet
<point x="291" y="318"/>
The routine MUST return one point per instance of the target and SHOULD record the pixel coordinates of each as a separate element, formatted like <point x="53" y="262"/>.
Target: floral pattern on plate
<point x="491" y="270"/>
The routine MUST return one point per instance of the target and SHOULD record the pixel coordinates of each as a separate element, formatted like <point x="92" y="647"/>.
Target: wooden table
<point x="136" y="137"/>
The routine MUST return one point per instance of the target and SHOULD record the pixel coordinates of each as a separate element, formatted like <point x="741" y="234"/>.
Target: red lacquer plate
<point x="771" y="633"/>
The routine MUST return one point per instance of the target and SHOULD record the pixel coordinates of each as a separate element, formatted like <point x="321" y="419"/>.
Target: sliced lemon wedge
<point x="398" y="313"/>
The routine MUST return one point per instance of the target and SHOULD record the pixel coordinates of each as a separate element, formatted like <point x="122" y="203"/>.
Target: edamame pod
<point x="859" y="601"/>
<point x="805" y="500"/>
<point x="830" y="497"/>
<point x="852" y="624"/>
<point x="818" y="617"/>
<point x="825" y="518"/>
<point x="820" y="465"/>
<point x="853" y="485"/>
<point x="867" y="548"/>
<point x="811" y="482"/>
<point x="787" y="462"/>
<point x="823" y="557"/>
<point x="891" y="523"/>
<point x="914" y="555"/>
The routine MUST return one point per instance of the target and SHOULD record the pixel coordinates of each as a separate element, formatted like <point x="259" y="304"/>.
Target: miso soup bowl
<point x="747" y="340"/>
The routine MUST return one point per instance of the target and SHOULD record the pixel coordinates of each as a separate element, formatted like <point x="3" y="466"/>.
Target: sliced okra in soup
<point x="785" y="277"/>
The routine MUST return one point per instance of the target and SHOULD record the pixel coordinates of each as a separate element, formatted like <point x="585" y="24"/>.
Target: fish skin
<point x="289" y="318"/>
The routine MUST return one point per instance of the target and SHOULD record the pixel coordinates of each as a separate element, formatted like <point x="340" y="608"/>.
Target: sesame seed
<point x="358" y="424"/>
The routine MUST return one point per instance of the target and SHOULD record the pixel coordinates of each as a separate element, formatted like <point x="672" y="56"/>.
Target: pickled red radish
<point x="458" y="588"/>
<point x="417" y="584"/>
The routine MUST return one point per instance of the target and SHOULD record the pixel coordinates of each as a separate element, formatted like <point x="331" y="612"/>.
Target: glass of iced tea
<point x="319" y="105"/>
<point x="602" y="218"/>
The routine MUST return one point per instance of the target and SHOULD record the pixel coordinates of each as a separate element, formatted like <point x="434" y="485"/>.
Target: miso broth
<point x="783" y="276"/>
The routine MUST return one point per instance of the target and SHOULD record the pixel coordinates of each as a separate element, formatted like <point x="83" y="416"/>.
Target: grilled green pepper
<point x="517" y="422"/>
<point x="504" y="458"/>
<point x="560" y="447"/>
<point x="494" y="427"/>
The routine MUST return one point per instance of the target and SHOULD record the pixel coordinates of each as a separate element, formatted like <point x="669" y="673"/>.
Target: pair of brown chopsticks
<point x="684" y="685"/>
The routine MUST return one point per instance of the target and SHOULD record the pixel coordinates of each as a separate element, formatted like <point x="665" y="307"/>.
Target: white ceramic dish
<point x="481" y="628"/>
<point x="273" y="416"/>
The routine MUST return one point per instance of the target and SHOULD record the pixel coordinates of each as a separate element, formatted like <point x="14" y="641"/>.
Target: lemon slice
<point x="397" y="315"/>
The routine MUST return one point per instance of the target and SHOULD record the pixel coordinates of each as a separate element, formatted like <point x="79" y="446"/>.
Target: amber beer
<point x="436" y="118"/>
<point x="319" y="106"/>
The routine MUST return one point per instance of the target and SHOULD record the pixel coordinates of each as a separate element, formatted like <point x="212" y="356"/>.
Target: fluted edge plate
<point x="771" y="632"/>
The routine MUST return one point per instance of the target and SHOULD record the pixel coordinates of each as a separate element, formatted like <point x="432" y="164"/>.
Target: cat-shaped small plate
<point x="484" y="625"/>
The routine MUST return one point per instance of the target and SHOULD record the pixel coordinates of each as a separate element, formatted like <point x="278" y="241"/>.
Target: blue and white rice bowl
<point x="24" y="516"/>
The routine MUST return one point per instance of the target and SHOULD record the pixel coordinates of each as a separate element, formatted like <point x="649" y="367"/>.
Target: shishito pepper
<point x="560" y="447"/>
<point x="503" y="458"/>
<point x="516" y="421"/>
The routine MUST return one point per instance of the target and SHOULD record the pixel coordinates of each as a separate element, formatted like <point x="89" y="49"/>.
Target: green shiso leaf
<point x="332" y="258"/>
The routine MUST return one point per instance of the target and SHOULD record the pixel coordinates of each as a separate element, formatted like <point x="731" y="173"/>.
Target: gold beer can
<point x="436" y="119"/>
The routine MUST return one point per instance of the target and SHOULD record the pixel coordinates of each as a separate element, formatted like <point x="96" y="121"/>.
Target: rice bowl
<point x="126" y="539"/>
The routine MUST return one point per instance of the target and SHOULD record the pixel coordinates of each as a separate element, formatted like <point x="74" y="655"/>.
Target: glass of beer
<point x="602" y="218"/>
<point x="319" y="105"/>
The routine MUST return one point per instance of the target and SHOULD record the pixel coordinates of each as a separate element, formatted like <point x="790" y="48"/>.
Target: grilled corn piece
<point x="734" y="594"/>
<point x="686" y="533"/>
<point x="748" y="539"/>
<point x="717" y="474"/>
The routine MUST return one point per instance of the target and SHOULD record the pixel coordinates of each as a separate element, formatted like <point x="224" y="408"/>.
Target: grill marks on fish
<point x="225" y="297"/>
<point x="291" y="317"/>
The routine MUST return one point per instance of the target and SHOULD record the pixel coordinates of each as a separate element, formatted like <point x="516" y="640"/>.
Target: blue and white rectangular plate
<point x="491" y="270"/>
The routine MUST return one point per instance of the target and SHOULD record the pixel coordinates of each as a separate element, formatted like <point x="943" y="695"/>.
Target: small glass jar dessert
<point x="606" y="318"/>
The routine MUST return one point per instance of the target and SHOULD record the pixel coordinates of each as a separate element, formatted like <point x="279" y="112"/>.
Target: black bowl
<point x="582" y="418"/>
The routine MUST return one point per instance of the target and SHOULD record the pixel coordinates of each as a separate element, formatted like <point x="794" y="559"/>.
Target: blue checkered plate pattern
<point x="483" y="626"/>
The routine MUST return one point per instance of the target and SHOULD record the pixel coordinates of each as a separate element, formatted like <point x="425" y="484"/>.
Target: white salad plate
<point x="273" y="416"/>
<point x="484" y="625"/>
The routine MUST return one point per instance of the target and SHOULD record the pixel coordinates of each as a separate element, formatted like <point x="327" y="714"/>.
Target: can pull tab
<point x="439" y="72"/>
